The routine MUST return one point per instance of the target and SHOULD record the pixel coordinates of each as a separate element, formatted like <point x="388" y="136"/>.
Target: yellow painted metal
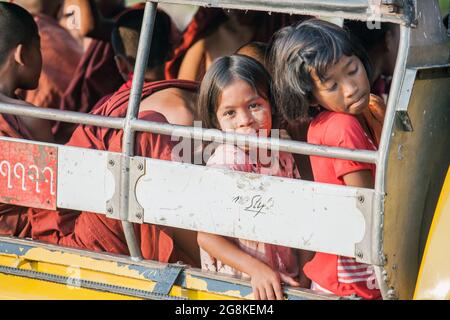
<point x="85" y="268"/>
<point x="20" y="288"/>
<point x="433" y="281"/>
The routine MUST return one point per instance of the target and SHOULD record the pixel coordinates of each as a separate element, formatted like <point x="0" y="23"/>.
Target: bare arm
<point x="360" y="179"/>
<point x="41" y="129"/>
<point x="266" y="283"/>
<point x="192" y="61"/>
<point x="304" y="256"/>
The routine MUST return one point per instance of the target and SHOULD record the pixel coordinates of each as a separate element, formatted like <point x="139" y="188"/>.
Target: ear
<point x="19" y="54"/>
<point x="123" y="66"/>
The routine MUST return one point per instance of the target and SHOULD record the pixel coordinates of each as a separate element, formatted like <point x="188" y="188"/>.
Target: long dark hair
<point x="298" y="50"/>
<point x="221" y="73"/>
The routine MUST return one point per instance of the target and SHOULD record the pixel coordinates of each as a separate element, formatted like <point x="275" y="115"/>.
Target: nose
<point x="350" y="89"/>
<point x="245" y="119"/>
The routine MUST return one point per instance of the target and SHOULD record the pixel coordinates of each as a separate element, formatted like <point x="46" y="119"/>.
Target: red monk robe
<point x="207" y="20"/>
<point x="95" y="77"/>
<point x="13" y="219"/>
<point x="61" y="54"/>
<point x="97" y="232"/>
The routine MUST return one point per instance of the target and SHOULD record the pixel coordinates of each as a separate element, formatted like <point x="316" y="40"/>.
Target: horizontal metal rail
<point x="192" y="132"/>
<point x="367" y="10"/>
<point x="63" y="116"/>
<point x="253" y="141"/>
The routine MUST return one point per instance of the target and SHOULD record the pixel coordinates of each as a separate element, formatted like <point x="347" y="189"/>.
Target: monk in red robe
<point x="61" y="54"/>
<point x="20" y="67"/>
<point x="96" y="74"/>
<point x="97" y="232"/>
<point x="214" y="33"/>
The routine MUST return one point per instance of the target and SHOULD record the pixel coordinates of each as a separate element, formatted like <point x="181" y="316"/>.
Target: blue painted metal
<point x="11" y="248"/>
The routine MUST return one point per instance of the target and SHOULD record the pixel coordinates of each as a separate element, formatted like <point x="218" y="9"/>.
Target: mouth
<point x="358" y="103"/>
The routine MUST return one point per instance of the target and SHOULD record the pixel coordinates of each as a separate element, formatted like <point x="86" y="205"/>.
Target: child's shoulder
<point x="337" y="129"/>
<point x="334" y="119"/>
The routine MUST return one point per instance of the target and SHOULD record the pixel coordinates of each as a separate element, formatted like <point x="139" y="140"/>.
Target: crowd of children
<point x="312" y="79"/>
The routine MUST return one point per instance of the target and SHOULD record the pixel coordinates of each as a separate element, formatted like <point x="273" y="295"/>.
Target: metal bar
<point x="189" y="132"/>
<point x="64" y="116"/>
<point x="380" y="178"/>
<point x="355" y="10"/>
<point x="252" y="141"/>
<point x="132" y="112"/>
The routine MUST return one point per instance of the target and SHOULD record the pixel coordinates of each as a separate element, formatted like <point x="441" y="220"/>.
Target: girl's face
<point x="346" y="88"/>
<point x="242" y="110"/>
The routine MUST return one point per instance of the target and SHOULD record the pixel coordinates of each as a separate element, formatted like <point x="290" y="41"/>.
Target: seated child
<point x="235" y="97"/>
<point x="318" y="63"/>
<point x="20" y="68"/>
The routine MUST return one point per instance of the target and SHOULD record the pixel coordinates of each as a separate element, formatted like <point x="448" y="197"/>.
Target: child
<point x="317" y="63"/>
<point x="235" y="97"/>
<point x="20" y="67"/>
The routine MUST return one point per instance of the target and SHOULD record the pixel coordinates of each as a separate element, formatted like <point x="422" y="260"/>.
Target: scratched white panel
<point x="295" y="213"/>
<point x="84" y="182"/>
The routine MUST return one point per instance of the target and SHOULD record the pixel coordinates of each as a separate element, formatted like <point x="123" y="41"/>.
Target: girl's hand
<point x="377" y="107"/>
<point x="266" y="283"/>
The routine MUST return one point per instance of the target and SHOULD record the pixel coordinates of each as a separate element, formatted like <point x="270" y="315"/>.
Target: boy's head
<point x="20" y="52"/>
<point x="125" y="41"/>
<point x="256" y="50"/>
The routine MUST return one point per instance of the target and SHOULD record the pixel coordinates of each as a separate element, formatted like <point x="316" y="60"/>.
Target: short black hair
<point x="126" y="33"/>
<point x="221" y="73"/>
<point x="259" y="49"/>
<point x="296" y="51"/>
<point x="17" y="26"/>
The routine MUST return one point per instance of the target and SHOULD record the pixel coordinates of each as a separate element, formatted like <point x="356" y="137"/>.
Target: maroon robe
<point x="97" y="232"/>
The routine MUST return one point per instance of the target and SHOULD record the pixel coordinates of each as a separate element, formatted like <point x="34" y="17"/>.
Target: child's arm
<point x="304" y="256"/>
<point x="40" y="128"/>
<point x="266" y="283"/>
<point x="361" y="179"/>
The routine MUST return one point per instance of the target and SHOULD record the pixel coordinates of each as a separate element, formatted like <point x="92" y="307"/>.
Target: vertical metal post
<point x="380" y="178"/>
<point x="132" y="112"/>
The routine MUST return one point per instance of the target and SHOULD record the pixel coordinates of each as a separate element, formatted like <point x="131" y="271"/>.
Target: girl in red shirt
<point x="317" y="63"/>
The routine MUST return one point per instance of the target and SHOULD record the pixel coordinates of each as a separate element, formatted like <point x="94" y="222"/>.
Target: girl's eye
<point x="333" y="87"/>
<point x="253" y="106"/>
<point x="229" y="113"/>
<point x="354" y="71"/>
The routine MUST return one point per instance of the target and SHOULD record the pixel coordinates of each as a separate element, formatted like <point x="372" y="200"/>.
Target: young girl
<point x="317" y="64"/>
<point x="235" y="97"/>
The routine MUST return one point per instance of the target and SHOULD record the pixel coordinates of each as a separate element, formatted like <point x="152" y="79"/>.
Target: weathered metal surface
<point x="416" y="167"/>
<point x="84" y="183"/>
<point x="79" y="269"/>
<point x="370" y="10"/>
<point x="28" y="174"/>
<point x="295" y="213"/>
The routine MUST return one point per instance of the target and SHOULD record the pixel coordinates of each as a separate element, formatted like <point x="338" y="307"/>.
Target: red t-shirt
<point x="341" y="275"/>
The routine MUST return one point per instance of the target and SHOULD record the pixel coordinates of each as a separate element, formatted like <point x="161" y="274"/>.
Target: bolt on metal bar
<point x="380" y="177"/>
<point x="252" y="141"/>
<point x="132" y="112"/>
<point x="64" y="116"/>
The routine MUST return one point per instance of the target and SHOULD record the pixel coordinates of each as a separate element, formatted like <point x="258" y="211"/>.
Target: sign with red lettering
<point x="28" y="174"/>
